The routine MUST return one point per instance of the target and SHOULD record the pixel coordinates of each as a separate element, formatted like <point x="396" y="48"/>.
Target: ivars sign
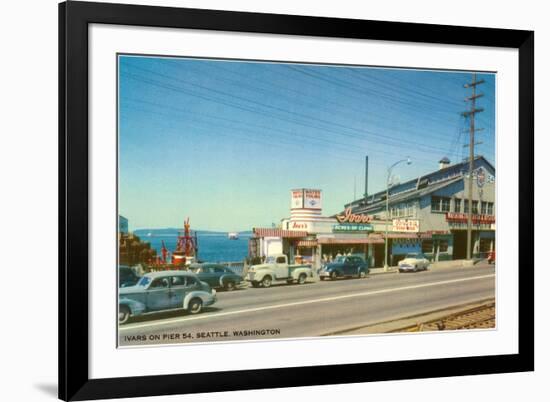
<point x="350" y="217"/>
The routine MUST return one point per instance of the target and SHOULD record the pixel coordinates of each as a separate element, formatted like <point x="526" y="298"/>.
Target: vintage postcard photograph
<point x="274" y="200"/>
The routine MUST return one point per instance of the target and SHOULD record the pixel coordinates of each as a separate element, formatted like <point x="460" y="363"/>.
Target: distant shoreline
<point x="175" y="232"/>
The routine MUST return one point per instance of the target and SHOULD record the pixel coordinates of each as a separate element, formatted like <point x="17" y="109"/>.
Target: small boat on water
<point x="233" y="236"/>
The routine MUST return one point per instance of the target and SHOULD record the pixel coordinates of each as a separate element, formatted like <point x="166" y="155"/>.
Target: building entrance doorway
<point x="378" y="255"/>
<point x="460" y="239"/>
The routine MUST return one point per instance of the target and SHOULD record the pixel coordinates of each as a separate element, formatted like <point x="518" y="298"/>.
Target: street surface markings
<point x="299" y="303"/>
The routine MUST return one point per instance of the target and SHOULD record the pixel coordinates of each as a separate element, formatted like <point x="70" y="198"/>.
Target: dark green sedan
<point x="217" y="276"/>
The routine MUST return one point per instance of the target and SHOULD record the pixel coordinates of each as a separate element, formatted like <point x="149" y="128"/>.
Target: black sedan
<point x="217" y="275"/>
<point x="126" y="276"/>
<point x="345" y="266"/>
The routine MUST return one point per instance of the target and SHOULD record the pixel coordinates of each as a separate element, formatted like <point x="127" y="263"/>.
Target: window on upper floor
<point x="490" y="208"/>
<point x="445" y="204"/>
<point x="484" y="207"/>
<point x="457" y="205"/>
<point x="441" y="204"/>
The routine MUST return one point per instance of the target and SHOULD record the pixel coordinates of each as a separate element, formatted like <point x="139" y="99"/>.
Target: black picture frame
<point x="74" y="18"/>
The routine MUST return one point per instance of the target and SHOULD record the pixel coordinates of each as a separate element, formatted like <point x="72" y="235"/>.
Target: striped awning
<point x="425" y="235"/>
<point x="270" y="232"/>
<point x="306" y="243"/>
<point x="329" y="240"/>
<point x="402" y="235"/>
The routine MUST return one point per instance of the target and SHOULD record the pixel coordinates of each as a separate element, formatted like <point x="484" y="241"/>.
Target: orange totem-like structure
<point x="185" y="246"/>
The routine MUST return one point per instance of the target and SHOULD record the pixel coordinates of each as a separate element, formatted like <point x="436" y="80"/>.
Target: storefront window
<point x="485" y="245"/>
<point x="427" y="246"/>
<point x="443" y="246"/>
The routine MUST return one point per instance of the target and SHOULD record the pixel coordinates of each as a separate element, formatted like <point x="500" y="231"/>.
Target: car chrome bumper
<point x="212" y="299"/>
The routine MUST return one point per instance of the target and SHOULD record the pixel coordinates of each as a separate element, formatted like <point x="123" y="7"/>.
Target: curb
<point x="384" y="272"/>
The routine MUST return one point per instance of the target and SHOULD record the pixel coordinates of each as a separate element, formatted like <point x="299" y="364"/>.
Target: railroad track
<point x="478" y="317"/>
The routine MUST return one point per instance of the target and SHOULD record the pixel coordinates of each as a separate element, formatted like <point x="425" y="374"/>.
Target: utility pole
<point x="366" y="178"/>
<point x="471" y="114"/>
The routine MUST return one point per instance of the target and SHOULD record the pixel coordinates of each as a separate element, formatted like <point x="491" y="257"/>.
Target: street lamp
<point x="408" y="160"/>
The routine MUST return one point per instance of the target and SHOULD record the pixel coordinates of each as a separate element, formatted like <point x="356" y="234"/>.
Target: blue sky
<point x="224" y="142"/>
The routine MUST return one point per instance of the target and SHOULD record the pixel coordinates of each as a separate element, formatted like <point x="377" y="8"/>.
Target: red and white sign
<point x="297" y="199"/>
<point x="463" y="218"/>
<point x="312" y="199"/>
<point x="305" y="198"/>
<point x="406" y="225"/>
<point x="298" y="225"/>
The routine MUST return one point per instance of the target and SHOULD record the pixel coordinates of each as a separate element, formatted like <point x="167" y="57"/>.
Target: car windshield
<point x="340" y="259"/>
<point x="414" y="255"/>
<point x="144" y="281"/>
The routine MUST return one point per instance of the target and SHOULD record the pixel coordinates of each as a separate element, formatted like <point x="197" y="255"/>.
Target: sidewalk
<point x="378" y="271"/>
<point x="456" y="263"/>
<point x="433" y="265"/>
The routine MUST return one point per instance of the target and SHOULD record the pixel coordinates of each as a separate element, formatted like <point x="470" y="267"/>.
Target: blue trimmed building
<point x="429" y="213"/>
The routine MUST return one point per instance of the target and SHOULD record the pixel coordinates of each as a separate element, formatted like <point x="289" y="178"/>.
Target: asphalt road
<point x="315" y="308"/>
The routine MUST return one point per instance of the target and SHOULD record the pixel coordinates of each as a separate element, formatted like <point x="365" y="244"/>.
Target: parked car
<point x="217" y="276"/>
<point x="162" y="291"/>
<point x="413" y="262"/>
<point x="126" y="276"/>
<point x="345" y="266"/>
<point x="276" y="269"/>
<point x="492" y="257"/>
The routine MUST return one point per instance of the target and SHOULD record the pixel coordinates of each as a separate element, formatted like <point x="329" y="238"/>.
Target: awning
<point x="270" y="232"/>
<point x="402" y="235"/>
<point x="330" y="240"/>
<point x="306" y="243"/>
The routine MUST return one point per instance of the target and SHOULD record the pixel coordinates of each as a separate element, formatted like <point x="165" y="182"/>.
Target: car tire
<point x="266" y="281"/>
<point x="229" y="286"/>
<point x="333" y="275"/>
<point x="123" y="314"/>
<point x="302" y="279"/>
<point x="362" y="274"/>
<point x="322" y="278"/>
<point x="194" y="306"/>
